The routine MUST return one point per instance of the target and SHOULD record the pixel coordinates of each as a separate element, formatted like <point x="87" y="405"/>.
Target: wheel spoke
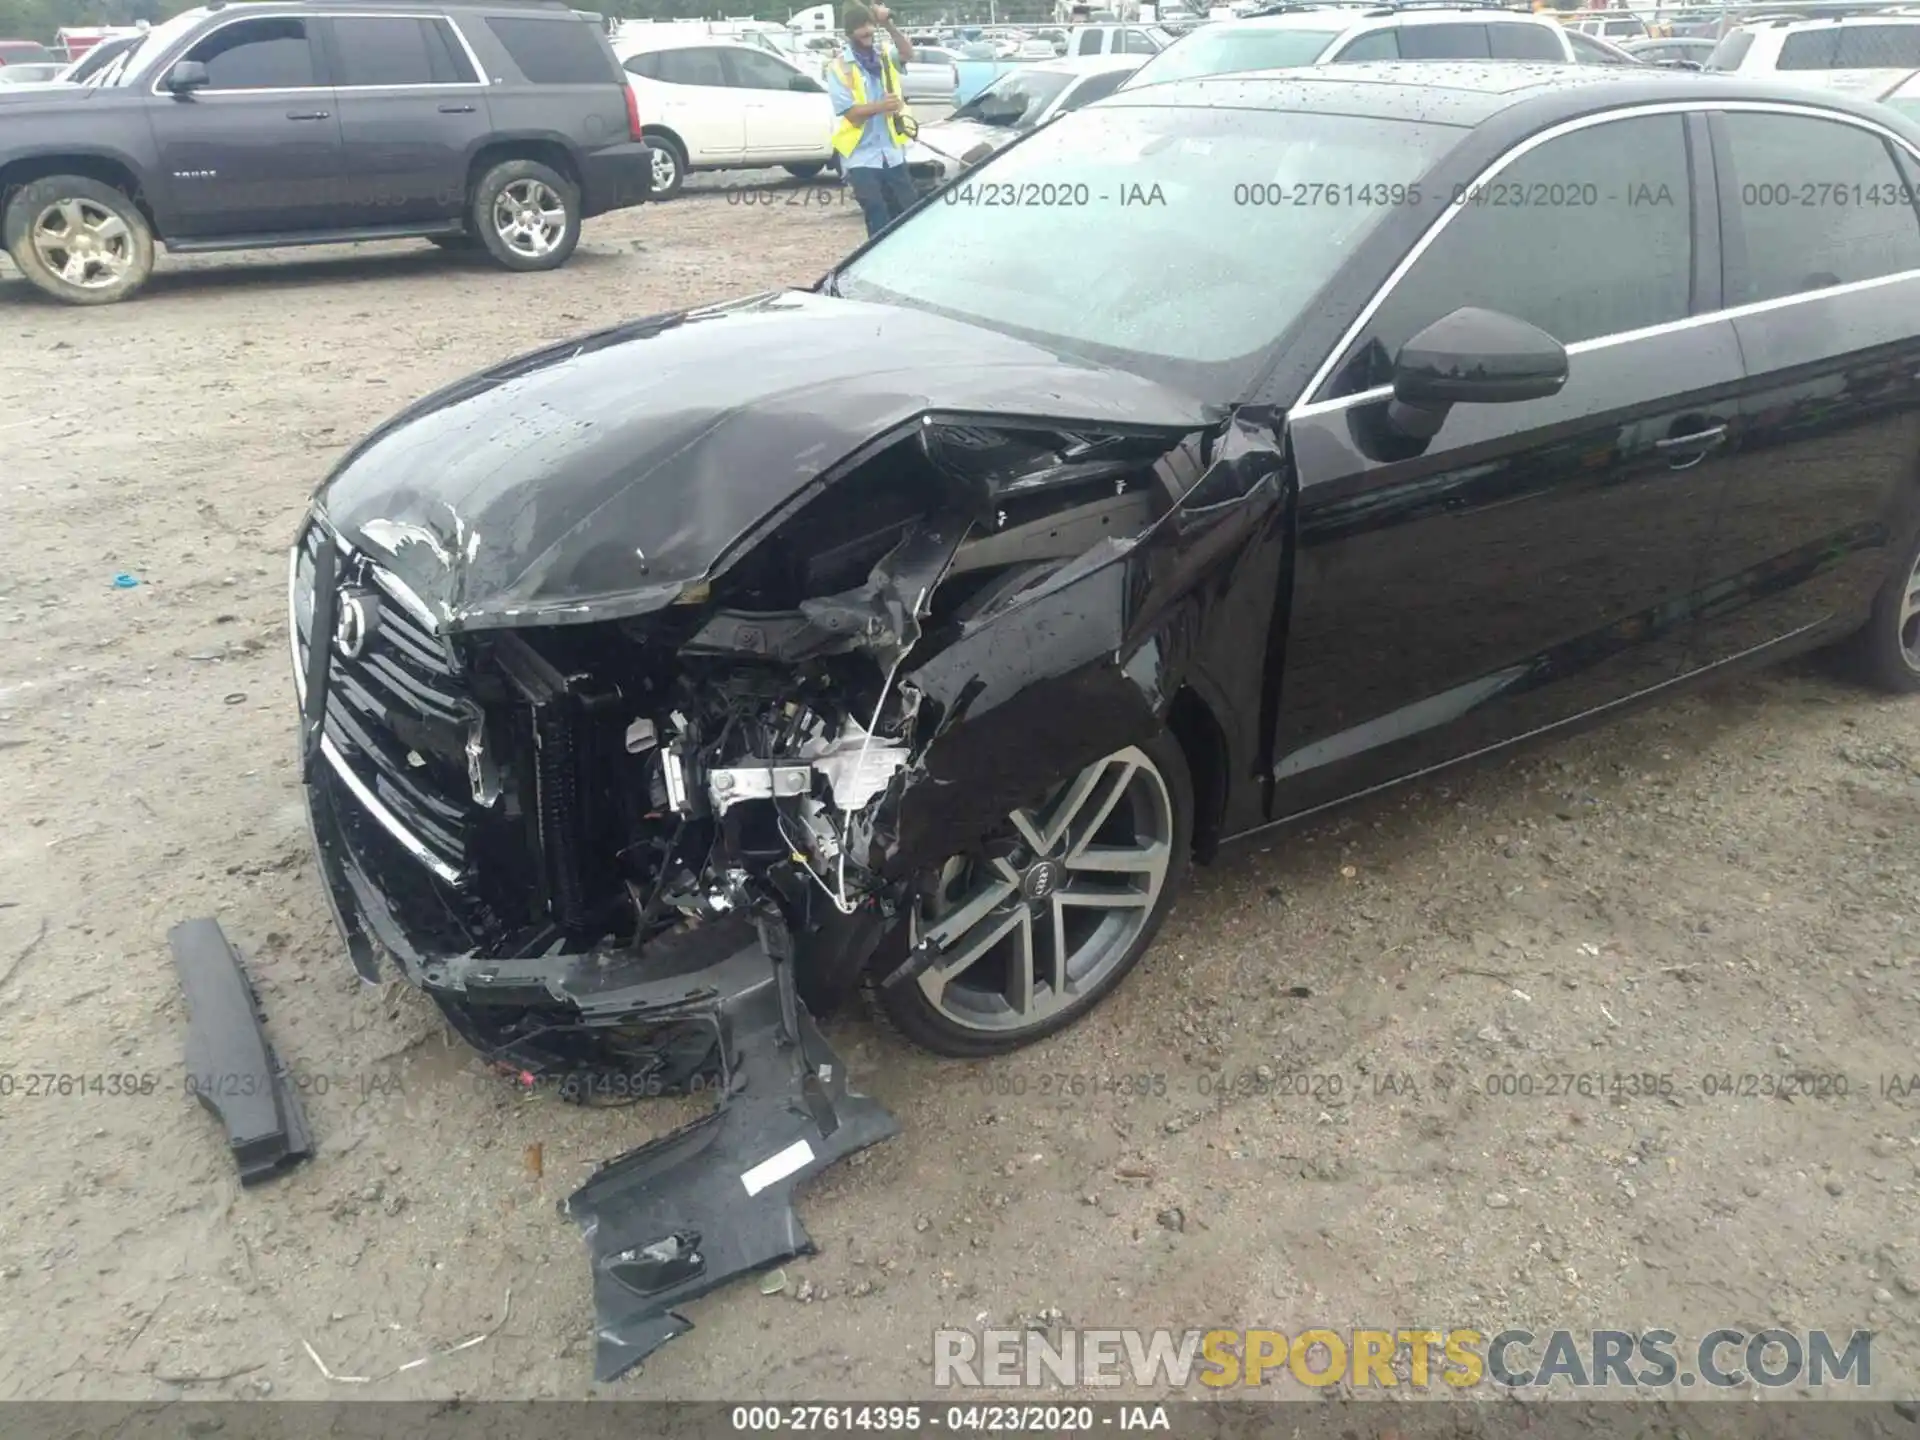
<point x="1030" y="831"/>
<point x="1057" y="936"/>
<point x="964" y="956"/>
<point x="1084" y="831"/>
<point x="555" y="217"/>
<point x="72" y="222"/>
<point x="1020" y="972"/>
<point x="1069" y="805"/>
<point x="109" y="229"/>
<point x="1147" y="859"/>
<point x="1106" y="899"/>
<point x="74" y="272"/>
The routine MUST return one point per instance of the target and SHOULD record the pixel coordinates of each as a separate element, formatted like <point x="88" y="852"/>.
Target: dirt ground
<point x="1722" y="886"/>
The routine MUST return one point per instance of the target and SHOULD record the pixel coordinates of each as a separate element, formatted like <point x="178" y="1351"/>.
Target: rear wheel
<point x="78" y="239"/>
<point x="1039" y="924"/>
<point x="527" y="215"/>
<point x="1886" y="651"/>
<point x="806" y="171"/>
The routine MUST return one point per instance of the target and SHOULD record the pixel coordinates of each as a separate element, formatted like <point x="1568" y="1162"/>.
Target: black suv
<point x="234" y="127"/>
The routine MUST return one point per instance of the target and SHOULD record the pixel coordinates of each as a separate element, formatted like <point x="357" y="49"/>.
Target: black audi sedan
<point x="1226" y="450"/>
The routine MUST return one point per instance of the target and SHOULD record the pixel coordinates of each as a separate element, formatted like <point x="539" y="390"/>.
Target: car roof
<point x="1827" y="22"/>
<point x="1467" y="92"/>
<point x="1346" y="17"/>
<point x="678" y="37"/>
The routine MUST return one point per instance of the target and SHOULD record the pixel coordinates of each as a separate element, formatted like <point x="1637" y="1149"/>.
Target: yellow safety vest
<point x="846" y="135"/>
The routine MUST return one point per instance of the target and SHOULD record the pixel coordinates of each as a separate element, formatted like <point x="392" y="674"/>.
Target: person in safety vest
<point x="871" y="131"/>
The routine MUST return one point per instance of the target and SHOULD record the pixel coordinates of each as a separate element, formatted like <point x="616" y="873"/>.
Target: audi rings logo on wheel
<point x="355" y="623"/>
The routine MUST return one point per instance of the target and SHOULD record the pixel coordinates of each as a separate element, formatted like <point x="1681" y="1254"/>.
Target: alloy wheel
<point x="84" y="243"/>
<point x="665" y="168"/>
<point x="530" y="218"/>
<point x="1025" y="932"/>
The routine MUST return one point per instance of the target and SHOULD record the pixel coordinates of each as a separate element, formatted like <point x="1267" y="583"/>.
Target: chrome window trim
<point x="1324" y="374"/>
<point x="159" y="91"/>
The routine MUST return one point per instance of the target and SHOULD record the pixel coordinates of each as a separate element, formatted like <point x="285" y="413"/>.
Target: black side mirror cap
<point x="187" y="76"/>
<point x="1478" y="357"/>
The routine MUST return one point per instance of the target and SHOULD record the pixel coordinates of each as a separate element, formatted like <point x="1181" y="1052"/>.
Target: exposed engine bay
<point x="651" y="842"/>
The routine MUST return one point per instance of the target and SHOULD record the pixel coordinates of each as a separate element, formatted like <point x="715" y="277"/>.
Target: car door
<point x="413" y="111"/>
<point x="1822" y="265"/>
<point x="786" y="115"/>
<point x="699" y="106"/>
<point x="257" y="150"/>
<point x="1532" y="561"/>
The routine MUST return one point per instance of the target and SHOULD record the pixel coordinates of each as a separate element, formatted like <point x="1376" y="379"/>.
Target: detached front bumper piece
<point x="230" y="1065"/>
<point x="712" y="1201"/>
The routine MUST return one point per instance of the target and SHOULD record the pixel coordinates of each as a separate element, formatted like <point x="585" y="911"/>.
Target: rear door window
<point x="394" y="50"/>
<point x="696" y="65"/>
<point x="1509" y="41"/>
<point x="1444" y="42"/>
<point x="1877" y="47"/>
<point x="1816" y="203"/>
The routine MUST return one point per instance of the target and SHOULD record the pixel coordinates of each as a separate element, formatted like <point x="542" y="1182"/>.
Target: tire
<point x="969" y="1008"/>
<point x="113" y="254"/>
<point x="1886" y="650"/>
<point x="807" y="171"/>
<point x="669" y="167"/>
<point x="527" y="215"/>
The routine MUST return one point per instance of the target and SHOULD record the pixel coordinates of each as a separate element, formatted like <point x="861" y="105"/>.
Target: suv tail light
<point x="633" y="113"/>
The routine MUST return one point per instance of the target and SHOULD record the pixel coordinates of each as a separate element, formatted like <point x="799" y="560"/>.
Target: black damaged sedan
<point x="1224" y="451"/>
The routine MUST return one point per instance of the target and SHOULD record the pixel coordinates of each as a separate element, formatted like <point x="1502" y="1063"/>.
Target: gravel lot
<point x="1721" y="886"/>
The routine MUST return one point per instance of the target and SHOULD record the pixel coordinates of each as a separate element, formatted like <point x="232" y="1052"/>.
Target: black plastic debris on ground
<point x="230" y="1065"/>
<point x="713" y="1201"/>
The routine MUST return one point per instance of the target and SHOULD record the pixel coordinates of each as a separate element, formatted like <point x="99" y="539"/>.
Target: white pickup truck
<point x="1116" y="40"/>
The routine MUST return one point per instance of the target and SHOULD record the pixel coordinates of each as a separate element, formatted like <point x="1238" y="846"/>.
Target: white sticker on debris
<point x="777" y="1167"/>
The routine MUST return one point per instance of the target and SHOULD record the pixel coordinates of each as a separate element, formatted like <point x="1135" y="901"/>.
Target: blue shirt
<point x="877" y="146"/>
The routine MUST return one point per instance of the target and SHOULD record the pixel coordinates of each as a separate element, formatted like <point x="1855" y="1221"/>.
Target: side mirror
<point x="188" y="76"/>
<point x="1475" y="357"/>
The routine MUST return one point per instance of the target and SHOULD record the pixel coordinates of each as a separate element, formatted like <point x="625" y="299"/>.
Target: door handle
<point x="1692" y="448"/>
<point x="1698" y="440"/>
<point x="309" y="114"/>
<point x="456" y="109"/>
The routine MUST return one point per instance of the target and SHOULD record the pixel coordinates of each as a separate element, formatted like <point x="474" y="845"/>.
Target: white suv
<point x="1853" y="53"/>
<point x="711" y="103"/>
<point x="1330" y="34"/>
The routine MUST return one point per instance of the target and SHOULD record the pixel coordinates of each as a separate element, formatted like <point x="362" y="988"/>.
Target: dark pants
<point x="884" y="192"/>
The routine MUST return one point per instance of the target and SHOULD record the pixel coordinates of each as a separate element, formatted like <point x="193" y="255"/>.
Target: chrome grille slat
<point x="405" y="678"/>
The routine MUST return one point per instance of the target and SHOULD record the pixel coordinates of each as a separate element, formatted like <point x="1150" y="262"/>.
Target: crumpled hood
<point x="600" y="477"/>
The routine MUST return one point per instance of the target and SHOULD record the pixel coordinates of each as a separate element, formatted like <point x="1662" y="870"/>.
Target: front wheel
<point x="80" y="240"/>
<point x="527" y="215"/>
<point x="807" y="171"/>
<point x="1038" y="925"/>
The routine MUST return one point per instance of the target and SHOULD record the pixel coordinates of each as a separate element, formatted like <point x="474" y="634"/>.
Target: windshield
<point x="1218" y="52"/>
<point x="1015" y="99"/>
<point x="1159" y="239"/>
